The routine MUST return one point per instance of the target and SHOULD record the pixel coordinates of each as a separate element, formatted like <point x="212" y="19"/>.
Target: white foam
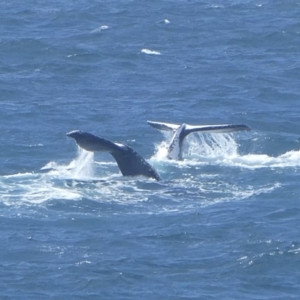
<point x="37" y="188"/>
<point x="288" y="159"/>
<point x="100" y="29"/>
<point x="150" y="52"/>
<point x="30" y="188"/>
<point x="186" y="189"/>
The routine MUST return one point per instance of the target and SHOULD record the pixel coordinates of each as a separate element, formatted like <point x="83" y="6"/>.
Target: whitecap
<point x="164" y="21"/>
<point x="150" y="52"/>
<point x="100" y="29"/>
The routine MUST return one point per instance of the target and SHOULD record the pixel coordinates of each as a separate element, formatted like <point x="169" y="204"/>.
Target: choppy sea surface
<point x="223" y="223"/>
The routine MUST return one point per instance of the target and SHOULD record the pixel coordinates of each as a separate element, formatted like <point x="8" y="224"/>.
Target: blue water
<point x="223" y="223"/>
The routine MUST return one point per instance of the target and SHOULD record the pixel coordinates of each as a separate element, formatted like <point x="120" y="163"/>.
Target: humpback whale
<point x="181" y="131"/>
<point x="129" y="161"/>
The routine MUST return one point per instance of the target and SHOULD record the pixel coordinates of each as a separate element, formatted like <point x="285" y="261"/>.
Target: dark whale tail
<point x="181" y="131"/>
<point x="129" y="161"/>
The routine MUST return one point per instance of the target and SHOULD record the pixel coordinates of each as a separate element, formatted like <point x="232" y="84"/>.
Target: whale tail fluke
<point x="163" y="126"/>
<point x="223" y="128"/>
<point x="129" y="161"/>
<point x="181" y="131"/>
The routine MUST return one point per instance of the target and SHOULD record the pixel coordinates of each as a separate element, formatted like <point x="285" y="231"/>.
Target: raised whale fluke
<point x="181" y="131"/>
<point x="129" y="161"/>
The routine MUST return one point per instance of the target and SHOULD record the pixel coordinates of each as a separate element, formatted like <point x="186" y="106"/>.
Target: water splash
<point x="212" y="145"/>
<point x="222" y="149"/>
<point x="201" y="146"/>
<point x="83" y="166"/>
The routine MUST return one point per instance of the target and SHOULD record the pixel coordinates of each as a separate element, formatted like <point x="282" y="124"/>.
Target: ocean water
<point x="223" y="223"/>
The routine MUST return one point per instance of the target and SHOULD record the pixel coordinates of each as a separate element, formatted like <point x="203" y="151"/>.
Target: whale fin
<point x="181" y="131"/>
<point x="129" y="161"/>
<point x="163" y="126"/>
<point x="224" y="128"/>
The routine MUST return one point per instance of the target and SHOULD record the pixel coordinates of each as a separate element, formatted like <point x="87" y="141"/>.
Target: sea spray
<point x="83" y="164"/>
<point x="211" y="145"/>
<point x="202" y="145"/>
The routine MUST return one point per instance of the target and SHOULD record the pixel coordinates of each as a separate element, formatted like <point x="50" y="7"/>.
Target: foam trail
<point x="255" y="161"/>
